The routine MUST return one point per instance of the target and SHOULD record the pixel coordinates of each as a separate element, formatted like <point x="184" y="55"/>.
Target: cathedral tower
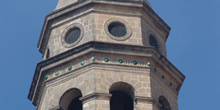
<point x="104" y="55"/>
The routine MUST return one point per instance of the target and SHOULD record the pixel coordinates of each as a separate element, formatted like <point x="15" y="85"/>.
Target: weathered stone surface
<point x="94" y="60"/>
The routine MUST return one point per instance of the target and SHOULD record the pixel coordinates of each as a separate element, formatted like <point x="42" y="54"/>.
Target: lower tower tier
<point x="106" y="76"/>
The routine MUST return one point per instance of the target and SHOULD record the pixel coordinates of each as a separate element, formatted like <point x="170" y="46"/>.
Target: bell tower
<point x="104" y="55"/>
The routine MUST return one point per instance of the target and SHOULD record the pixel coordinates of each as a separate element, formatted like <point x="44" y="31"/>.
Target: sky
<point x="192" y="46"/>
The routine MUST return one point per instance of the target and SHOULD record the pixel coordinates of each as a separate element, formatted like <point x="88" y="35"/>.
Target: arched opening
<point x="122" y="96"/>
<point x="70" y="100"/>
<point x="164" y="103"/>
<point x="153" y="42"/>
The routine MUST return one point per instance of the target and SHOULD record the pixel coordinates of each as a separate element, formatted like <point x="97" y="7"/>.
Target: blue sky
<point x="192" y="46"/>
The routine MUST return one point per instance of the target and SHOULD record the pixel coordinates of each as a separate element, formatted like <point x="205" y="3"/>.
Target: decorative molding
<point x="166" y="82"/>
<point x="143" y="99"/>
<point x="108" y="49"/>
<point x="55" y="108"/>
<point x="100" y="96"/>
<point x="98" y="59"/>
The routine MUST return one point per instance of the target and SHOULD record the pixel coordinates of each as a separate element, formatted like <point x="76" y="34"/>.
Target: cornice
<point x="107" y="48"/>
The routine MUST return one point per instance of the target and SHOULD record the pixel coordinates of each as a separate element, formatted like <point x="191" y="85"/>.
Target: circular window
<point x="153" y="42"/>
<point x="72" y="35"/>
<point x="118" y="29"/>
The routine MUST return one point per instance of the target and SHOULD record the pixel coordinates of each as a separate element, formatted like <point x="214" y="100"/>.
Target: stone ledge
<point x="100" y="96"/>
<point x="107" y="48"/>
<point x="143" y="99"/>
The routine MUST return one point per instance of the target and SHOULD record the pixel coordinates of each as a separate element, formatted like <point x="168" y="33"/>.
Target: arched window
<point x="122" y="96"/>
<point x="70" y="100"/>
<point x="164" y="103"/>
<point x="153" y="42"/>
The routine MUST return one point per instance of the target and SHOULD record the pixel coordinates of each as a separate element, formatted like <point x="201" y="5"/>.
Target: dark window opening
<point x="153" y="42"/>
<point x="164" y="103"/>
<point x="121" y="101"/>
<point x="48" y="53"/>
<point x="75" y="104"/>
<point x="73" y="35"/>
<point x="117" y="29"/>
<point x="70" y="100"/>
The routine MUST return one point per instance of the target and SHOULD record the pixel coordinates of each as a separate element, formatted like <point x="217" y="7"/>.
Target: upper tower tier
<point x="74" y="23"/>
<point x="64" y="3"/>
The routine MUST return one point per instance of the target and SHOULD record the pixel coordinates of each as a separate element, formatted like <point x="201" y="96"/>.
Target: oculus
<point x="118" y="29"/>
<point x="72" y="35"/>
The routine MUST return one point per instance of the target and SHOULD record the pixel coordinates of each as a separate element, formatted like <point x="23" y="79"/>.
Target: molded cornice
<point x="106" y="48"/>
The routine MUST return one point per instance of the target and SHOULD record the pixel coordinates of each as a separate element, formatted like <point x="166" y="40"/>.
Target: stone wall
<point x="94" y="23"/>
<point x="98" y="77"/>
<point x="94" y="68"/>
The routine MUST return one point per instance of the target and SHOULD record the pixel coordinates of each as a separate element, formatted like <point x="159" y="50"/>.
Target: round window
<point x="73" y="35"/>
<point x="153" y="42"/>
<point x="117" y="29"/>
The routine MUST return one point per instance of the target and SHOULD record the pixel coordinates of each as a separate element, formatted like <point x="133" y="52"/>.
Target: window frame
<point x="121" y="21"/>
<point x="67" y="30"/>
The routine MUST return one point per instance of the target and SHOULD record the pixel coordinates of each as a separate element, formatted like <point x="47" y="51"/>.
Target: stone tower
<point x="104" y="55"/>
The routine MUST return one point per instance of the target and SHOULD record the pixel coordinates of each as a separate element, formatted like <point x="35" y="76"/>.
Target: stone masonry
<point x="98" y="62"/>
